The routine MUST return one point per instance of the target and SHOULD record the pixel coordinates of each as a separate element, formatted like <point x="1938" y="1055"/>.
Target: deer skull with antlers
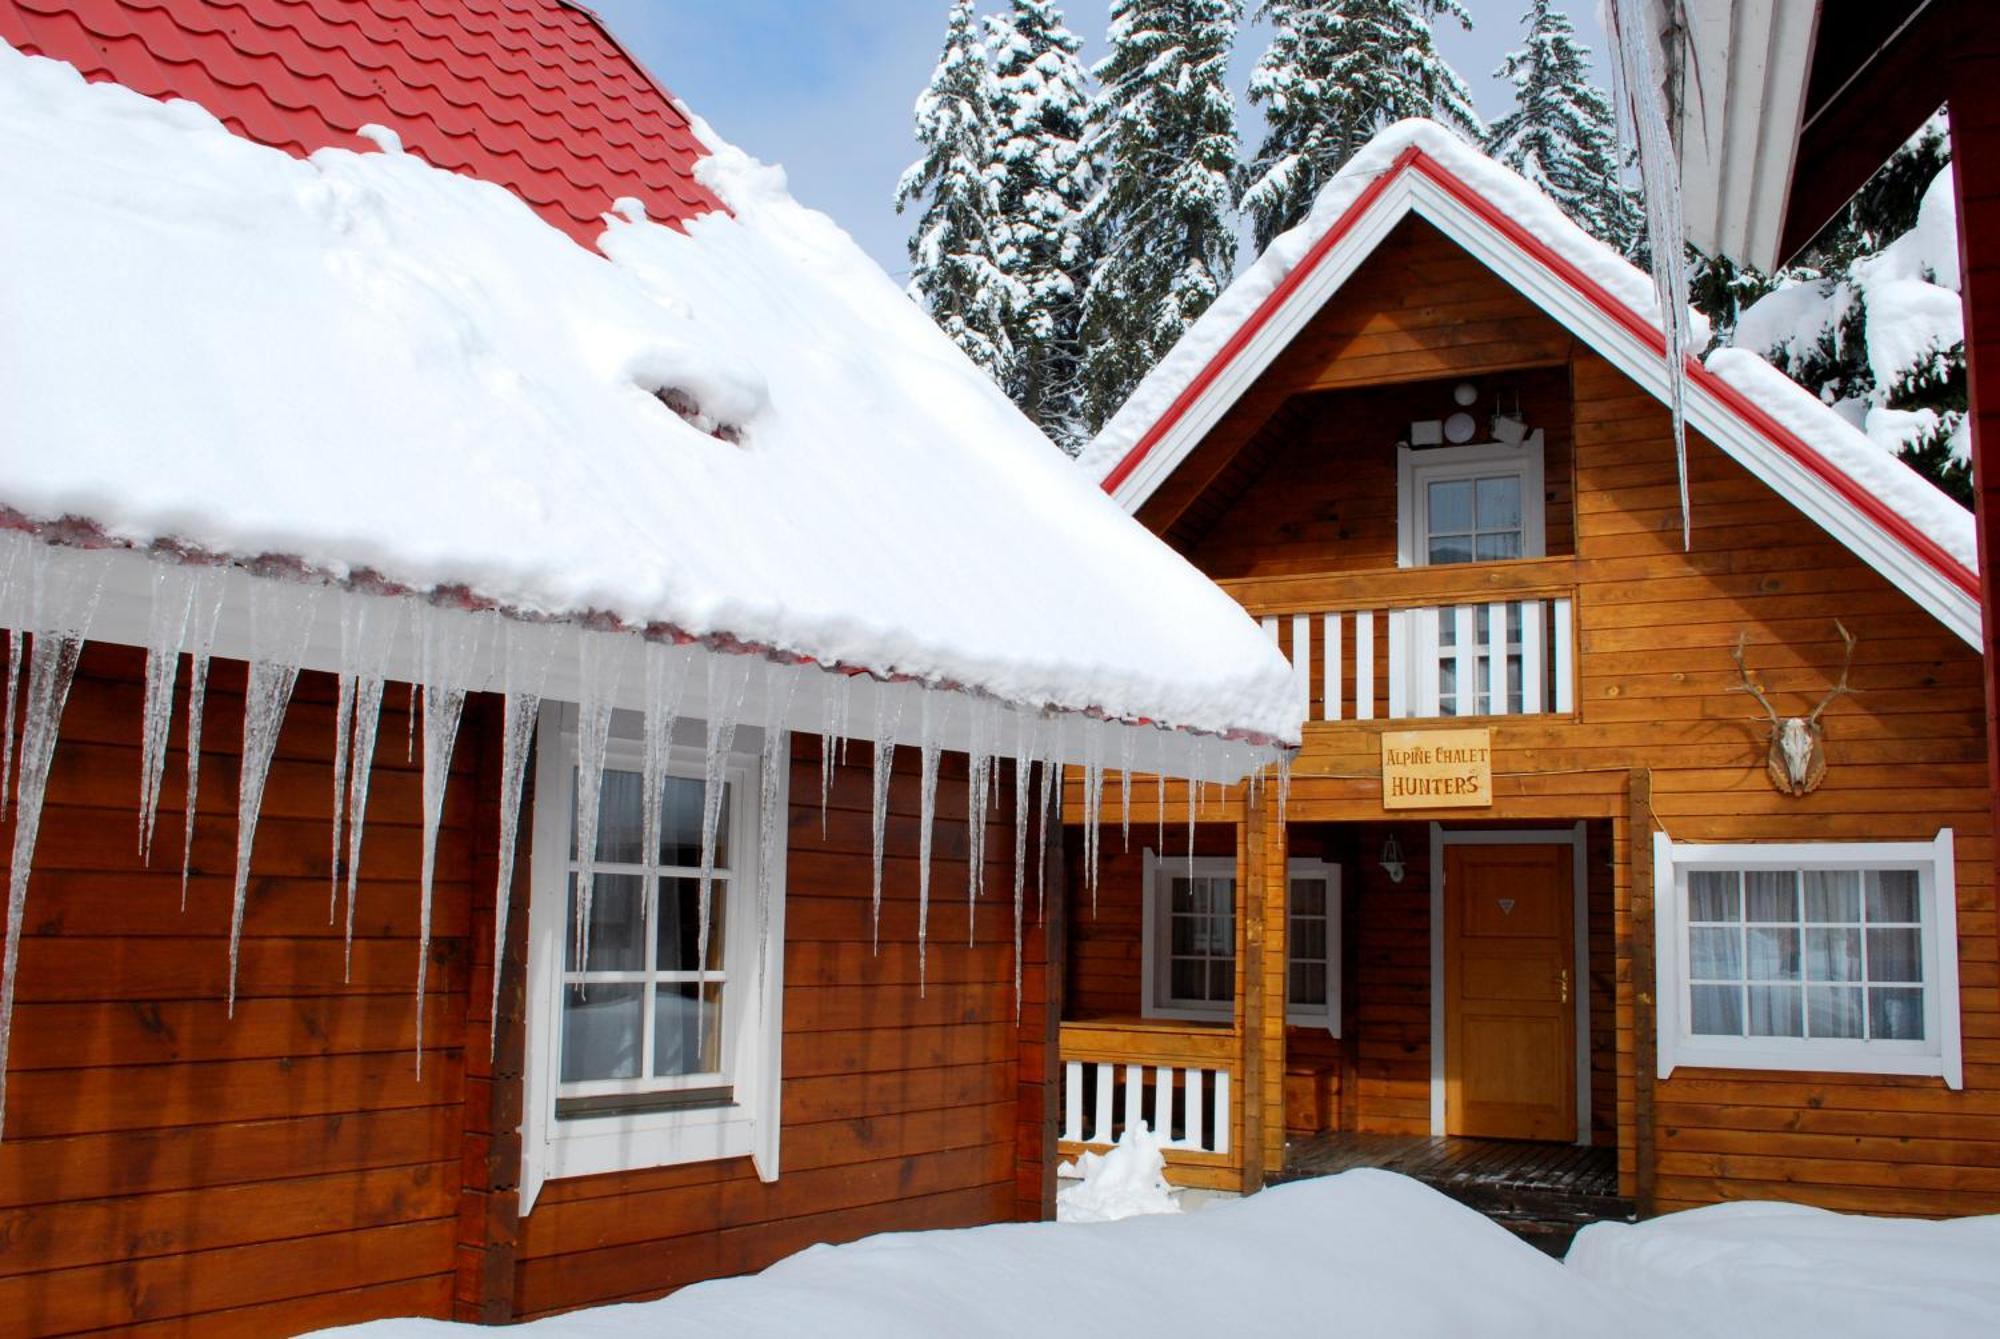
<point x="1796" y="762"/>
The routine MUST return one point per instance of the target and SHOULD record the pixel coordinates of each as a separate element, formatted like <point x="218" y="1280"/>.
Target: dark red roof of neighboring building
<point x="534" y="95"/>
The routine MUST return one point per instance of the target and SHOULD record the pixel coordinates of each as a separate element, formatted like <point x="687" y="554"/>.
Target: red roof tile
<point x="532" y="94"/>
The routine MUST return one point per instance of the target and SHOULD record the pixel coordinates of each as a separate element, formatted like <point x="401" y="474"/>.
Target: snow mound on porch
<point x="1128" y="1181"/>
<point x="742" y="430"/>
<point x="1363" y="1253"/>
<point x="1775" y="1269"/>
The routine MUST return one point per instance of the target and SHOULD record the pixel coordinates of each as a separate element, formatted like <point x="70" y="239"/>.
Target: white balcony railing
<point x="1188" y="1107"/>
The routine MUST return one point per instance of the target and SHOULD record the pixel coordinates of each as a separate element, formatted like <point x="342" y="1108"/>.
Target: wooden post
<point x="1645" y="1014"/>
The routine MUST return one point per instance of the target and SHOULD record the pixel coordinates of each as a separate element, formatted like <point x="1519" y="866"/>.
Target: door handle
<point x="1563" y="976"/>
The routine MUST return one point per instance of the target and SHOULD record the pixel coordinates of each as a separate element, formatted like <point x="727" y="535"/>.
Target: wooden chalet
<point x="202" y="1141"/>
<point x="1546" y="907"/>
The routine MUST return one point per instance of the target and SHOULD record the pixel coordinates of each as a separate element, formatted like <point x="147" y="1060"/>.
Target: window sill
<point x="1806" y="1057"/>
<point x="637" y="1104"/>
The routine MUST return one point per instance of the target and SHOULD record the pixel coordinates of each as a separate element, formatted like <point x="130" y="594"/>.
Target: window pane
<point x="1451" y="549"/>
<point x="1499" y="503"/>
<point x="1494" y="547"/>
<point x="620" y="836"/>
<point x="687" y="1029"/>
<point x="1833" y="1011"/>
<point x="601" y="1032"/>
<point x="1308" y="983"/>
<point x="1774" y="954"/>
<point x="679" y="927"/>
<point x="1718" y="1011"/>
<point x="1895" y="955"/>
<point x="1896" y="1015"/>
<point x="1892" y="895"/>
<point x="1308" y="897"/>
<point x="1309" y="939"/>
<point x="1713" y="896"/>
<point x="1222" y="979"/>
<point x="1833" y="895"/>
<point x="1833" y="955"/>
<point x="1190" y="979"/>
<point x="1182" y="896"/>
<point x="1775" y="1011"/>
<point x="1716" y="955"/>
<point x="1451" y="506"/>
<point x="680" y="824"/>
<point x="615" y="911"/>
<point x="1771" y="895"/>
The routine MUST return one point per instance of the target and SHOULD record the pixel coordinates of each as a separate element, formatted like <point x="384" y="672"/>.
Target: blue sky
<point x="825" y="87"/>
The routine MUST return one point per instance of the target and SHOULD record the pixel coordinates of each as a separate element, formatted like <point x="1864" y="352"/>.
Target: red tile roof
<point x="534" y="95"/>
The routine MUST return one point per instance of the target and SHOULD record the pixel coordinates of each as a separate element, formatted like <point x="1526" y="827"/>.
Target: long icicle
<point x="833" y="736"/>
<point x="281" y="622"/>
<point x="781" y="683"/>
<point x="599" y="660"/>
<point x="209" y="585"/>
<point x="62" y="597"/>
<point x="1127" y="743"/>
<point x="1050" y="768"/>
<point x="343" y="745"/>
<point x="927" y="750"/>
<point x="16" y="649"/>
<point x="666" y="680"/>
<point x="376" y="625"/>
<point x="1024" y="771"/>
<point x="166" y="629"/>
<point x="978" y="789"/>
<point x="888" y="718"/>
<point x="728" y="682"/>
<point x="449" y="642"/>
<point x="529" y="649"/>
<point x="14" y="551"/>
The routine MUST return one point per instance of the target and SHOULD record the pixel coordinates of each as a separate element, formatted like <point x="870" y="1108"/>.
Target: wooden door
<point x="1509" y="970"/>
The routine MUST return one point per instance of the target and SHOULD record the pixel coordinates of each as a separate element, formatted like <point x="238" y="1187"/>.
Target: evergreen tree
<point x="1561" y="135"/>
<point x="953" y="252"/>
<point x="1336" y="72"/>
<point x="1041" y="105"/>
<point x="1165" y="130"/>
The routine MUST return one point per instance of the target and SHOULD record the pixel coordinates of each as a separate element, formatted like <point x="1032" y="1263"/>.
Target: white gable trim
<point x="1416" y="192"/>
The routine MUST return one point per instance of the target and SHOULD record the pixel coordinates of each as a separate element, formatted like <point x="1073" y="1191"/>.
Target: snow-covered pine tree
<point x="1561" y="134"/>
<point x="953" y="252"/>
<point x="1041" y="109"/>
<point x="1336" y="72"/>
<point x="1164" y="128"/>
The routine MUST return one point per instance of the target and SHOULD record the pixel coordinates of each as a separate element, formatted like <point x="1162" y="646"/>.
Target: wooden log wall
<point x="169" y="1170"/>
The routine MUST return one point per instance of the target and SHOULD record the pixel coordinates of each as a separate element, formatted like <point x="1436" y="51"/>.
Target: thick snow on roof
<point x="1901" y="488"/>
<point x="365" y="363"/>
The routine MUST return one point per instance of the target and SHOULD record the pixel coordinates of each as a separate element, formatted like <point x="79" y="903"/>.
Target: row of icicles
<point x="61" y="589"/>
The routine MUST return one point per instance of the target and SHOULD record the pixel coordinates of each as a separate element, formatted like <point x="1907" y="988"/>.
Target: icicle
<point x="375" y="625"/>
<point x="1284" y="787"/>
<point x="1126" y="744"/>
<point x="63" y="587"/>
<point x="343" y="734"/>
<point x="529" y="649"/>
<point x="281" y="620"/>
<point x="209" y="584"/>
<point x="1049" y="769"/>
<point x="166" y="626"/>
<point x="666" y="679"/>
<point x="780" y="684"/>
<point x="1160" y="801"/>
<point x="16" y="648"/>
<point x="410" y="745"/>
<point x="599" y="660"/>
<point x="832" y="737"/>
<point x="929" y="726"/>
<point x="728" y="680"/>
<point x="13" y="613"/>
<point x="1193" y="791"/>
<point x="888" y="717"/>
<point x="978" y="789"/>
<point x="448" y="644"/>
<point x="1024" y="765"/>
<point x="1093" y="810"/>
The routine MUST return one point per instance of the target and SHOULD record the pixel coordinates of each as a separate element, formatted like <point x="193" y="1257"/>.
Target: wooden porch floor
<point x="1542" y="1192"/>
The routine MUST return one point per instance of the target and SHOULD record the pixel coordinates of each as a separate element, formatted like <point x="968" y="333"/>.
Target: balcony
<point x="1176" y="1077"/>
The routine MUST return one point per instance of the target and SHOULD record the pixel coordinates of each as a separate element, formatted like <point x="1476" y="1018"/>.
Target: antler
<point x="1749" y="684"/>
<point x="1840" y="687"/>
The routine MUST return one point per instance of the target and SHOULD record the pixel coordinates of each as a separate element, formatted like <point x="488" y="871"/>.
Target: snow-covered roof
<point x="1887" y="513"/>
<point x="371" y="366"/>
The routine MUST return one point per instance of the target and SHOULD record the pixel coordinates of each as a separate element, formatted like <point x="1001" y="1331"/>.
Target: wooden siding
<point x="1657" y="693"/>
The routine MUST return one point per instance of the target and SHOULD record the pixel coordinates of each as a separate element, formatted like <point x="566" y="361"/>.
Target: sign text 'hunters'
<point x="1437" y="769"/>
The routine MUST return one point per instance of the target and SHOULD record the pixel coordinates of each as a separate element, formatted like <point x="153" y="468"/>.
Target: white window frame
<point x="753" y="1016"/>
<point x="1416" y="470"/>
<point x="1938" y="1055"/>
<point x="1327" y="1015"/>
<point x="1155" y="976"/>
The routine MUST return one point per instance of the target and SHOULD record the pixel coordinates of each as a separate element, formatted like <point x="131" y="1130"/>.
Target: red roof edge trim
<point x="1266" y="309"/>
<point x="1753" y="415"/>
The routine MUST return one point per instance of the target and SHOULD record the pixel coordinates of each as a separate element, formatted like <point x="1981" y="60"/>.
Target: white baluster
<point x="1496" y="658"/>
<point x="1222" y="1111"/>
<point x="1330" y="704"/>
<point x="1270" y="625"/>
<point x="1193" y="1108"/>
<point x="1531" y="656"/>
<point x="1072" y="1102"/>
<point x="1135" y="1094"/>
<point x="1105" y="1080"/>
<point x="1468" y="660"/>
<point x="1364" y="665"/>
<point x="1302" y="661"/>
<point x="1399" y="664"/>
<point x="1564" y="689"/>
<point x="1163" y="1104"/>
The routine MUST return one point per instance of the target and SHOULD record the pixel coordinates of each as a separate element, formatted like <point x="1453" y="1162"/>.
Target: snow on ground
<point x="1127" y="1181"/>
<point x="363" y="362"/>
<point x="1364" y="1253"/>
<point x="1785" y="1269"/>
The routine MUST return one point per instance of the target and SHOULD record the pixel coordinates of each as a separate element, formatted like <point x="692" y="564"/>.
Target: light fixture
<point x="1392" y="859"/>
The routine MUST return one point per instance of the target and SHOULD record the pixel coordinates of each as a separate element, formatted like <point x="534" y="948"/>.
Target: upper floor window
<point x="1470" y="504"/>
<point x="1826" y="956"/>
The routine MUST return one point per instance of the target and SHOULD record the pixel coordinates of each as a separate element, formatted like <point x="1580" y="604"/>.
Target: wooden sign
<point x="1437" y="769"/>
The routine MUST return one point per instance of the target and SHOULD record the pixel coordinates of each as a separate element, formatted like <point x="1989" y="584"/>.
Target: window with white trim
<point x="1469" y="504"/>
<point x="1828" y="956"/>
<point x="1190" y="940"/>
<point x="642" y="1054"/>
